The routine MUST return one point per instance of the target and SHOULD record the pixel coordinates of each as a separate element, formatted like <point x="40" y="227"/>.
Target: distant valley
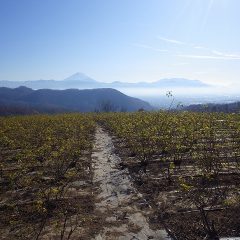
<point x="185" y="91"/>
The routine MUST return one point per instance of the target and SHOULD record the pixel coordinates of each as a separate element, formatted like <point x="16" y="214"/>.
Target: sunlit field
<point x="186" y="165"/>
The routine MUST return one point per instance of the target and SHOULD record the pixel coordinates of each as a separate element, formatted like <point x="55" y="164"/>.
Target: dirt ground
<point x="117" y="201"/>
<point x="125" y="210"/>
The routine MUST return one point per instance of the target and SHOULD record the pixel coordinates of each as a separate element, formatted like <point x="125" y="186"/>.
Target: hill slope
<point x="46" y="100"/>
<point x="211" y="107"/>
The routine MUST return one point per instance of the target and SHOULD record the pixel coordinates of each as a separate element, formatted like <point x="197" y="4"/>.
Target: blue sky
<point x="127" y="40"/>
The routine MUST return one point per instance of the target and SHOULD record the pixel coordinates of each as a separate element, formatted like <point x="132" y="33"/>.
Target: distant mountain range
<point x="23" y="100"/>
<point x="82" y="81"/>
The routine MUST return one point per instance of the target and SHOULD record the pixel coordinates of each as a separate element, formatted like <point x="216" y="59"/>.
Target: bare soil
<point x="126" y="212"/>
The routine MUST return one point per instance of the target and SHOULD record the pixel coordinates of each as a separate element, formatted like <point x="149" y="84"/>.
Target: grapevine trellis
<point x="187" y="162"/>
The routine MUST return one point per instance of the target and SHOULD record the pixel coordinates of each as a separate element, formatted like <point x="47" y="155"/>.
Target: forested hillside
<point x="24" y="100"/>
<point x="226" y="108"/>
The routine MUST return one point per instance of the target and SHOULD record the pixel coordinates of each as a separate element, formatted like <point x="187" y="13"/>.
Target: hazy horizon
<point x="65" y="78"/>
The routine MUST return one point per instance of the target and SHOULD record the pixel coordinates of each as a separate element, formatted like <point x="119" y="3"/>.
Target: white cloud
<point x="218" y="53"/>
<point x="200" y="47"/>
<point x="220" y="57"/>
<point x="140" y="45"/>
<point x="209" y="53"/>
<point x="181" y="64"/>
<point x="171" y="40"/>
<point x="201" y="72"/>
